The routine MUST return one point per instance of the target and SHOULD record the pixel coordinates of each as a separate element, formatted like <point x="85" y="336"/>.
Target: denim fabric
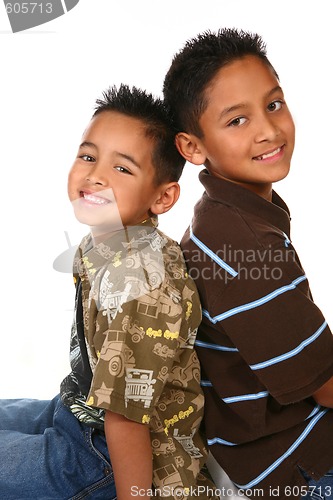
<point x="320" y="490"/>
<point x="47" y="454"/>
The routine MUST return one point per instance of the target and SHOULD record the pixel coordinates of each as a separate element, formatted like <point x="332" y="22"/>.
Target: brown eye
<point x="237" y="121"/>
<point x="123" y="170"/>
<point x="87" y="158"/>
<point x="275" y="105"/>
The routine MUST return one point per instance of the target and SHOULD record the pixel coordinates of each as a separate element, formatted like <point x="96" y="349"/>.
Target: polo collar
<point x="228" y="193"/>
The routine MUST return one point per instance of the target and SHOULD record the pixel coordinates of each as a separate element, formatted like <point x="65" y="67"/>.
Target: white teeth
<point x="269" y="155"/>
<point x="95" y="199"/>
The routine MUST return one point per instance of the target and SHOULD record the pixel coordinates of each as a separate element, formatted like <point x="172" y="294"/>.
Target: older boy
<point x="265" y="349"/>
<point x="129" y="412"/>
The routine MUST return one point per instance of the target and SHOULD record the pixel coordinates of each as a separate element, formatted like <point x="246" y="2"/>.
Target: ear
<point x="191" y="148"/>
<point x="168" y="196"/>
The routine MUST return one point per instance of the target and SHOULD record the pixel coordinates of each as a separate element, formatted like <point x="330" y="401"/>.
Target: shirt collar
<point x="89" y="257"/>
<point x="226" y="192"/>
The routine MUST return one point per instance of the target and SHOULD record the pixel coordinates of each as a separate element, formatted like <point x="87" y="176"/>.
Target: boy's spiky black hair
<point x="139" y="104"/>
<point x="195" y="66"/>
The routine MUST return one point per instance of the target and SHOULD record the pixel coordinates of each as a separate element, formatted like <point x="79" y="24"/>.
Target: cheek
<point x="289" y="127"/>
<point x="231" y="144"/>
<point x="290" y="130"/>
<point x="72" y="183"/>
<point x="228" y="152"/>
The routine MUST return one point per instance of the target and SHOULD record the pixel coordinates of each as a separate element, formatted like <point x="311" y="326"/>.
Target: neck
<point x="267" y="194"/>
<point x="102" y="233"/>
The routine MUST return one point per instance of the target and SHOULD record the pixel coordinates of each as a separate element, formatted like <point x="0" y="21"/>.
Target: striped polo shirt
<point x="263" y="344"/>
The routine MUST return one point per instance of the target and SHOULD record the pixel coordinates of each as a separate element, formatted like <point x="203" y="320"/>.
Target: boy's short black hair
<point x="139" y="104"/>
<point x="195" y="66"/>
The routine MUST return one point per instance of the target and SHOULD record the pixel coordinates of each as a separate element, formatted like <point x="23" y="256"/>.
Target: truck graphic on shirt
<point x="139" y="386"/>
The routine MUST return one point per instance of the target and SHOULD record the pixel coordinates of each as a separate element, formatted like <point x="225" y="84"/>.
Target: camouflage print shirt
<point x="139" y="320"/>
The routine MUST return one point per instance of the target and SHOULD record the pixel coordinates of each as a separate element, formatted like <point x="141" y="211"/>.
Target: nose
<point x="97" y="174"/>
<point x="266" y="128"/>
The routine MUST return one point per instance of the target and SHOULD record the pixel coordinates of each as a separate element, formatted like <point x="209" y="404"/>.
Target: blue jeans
<point x="47" y="454"/>
<point x="321" y="489"/>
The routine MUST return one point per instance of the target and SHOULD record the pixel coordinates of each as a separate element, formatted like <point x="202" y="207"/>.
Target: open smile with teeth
<point x="96" y="200"/>
<point x="268" y="155"/>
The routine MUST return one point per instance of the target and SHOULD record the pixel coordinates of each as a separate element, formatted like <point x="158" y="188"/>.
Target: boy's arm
<point x="131" y="455"/>
<point x="324" y="395"/>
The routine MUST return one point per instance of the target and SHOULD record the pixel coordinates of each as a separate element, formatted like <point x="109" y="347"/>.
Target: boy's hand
<point x="324" y="395"/>
<point x="131" y="455"/>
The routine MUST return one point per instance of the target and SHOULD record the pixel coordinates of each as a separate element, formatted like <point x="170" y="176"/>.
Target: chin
<point x="87" y="219"/>
<point x="282" y="175"/>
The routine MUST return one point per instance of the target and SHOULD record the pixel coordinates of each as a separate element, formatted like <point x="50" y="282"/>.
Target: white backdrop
<point x="50" y="77"/>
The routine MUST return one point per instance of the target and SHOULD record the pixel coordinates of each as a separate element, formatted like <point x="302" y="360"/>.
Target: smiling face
<point x="248" y="132"/>
<point x="111" y="183"/>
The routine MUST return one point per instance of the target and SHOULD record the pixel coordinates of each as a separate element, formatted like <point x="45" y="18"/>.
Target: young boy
<point x="128" y="414"/>
<point x="266" y="351"/>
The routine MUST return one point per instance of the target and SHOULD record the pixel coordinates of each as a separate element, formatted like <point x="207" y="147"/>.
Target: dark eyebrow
<point x="129" y="158"/>
<point x="88" y="144"/>
<point x="230" y="109"/>
<point x="239" y="106"/>
<point x="275" y="89"/>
